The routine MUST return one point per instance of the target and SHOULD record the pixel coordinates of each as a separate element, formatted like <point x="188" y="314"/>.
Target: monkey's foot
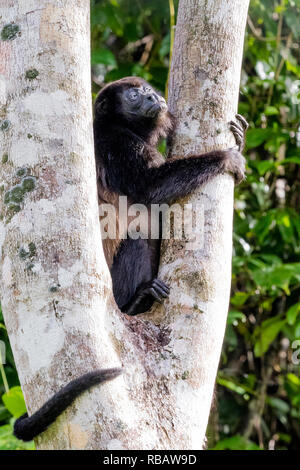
<point x="157" y="288"/>
<point x="146" y="295"/>
<point x="239" y="131"/>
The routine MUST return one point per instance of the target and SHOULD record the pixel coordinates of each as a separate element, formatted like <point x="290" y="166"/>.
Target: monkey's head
<point x="133" y="102"/>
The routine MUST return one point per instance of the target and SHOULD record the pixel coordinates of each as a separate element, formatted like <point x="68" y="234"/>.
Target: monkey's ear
<point x="101" y="106"/>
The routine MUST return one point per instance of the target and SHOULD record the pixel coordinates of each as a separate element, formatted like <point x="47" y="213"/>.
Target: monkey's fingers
<point x="239" y="137"/>
<point x="162" y="286"/>
<point x="236" y="127"/>
<point x="161" y="292"/>
<point x="242" y="121"/>
<point x="155" y="294"/>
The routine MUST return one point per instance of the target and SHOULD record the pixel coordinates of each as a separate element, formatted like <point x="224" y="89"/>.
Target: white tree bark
<point x="203" y="95"/>
<point x="55" y="287"/>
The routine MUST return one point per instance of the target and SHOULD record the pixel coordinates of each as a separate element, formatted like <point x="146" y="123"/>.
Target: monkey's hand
<point x="239" y="130"/>
<point x="235" y="164"/>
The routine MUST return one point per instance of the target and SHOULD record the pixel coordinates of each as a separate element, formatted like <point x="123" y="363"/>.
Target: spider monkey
<point x="130" y="119"/>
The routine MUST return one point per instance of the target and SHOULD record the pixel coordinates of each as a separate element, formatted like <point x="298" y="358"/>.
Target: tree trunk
<point x="56" y="290"/>
<point x="203" y="95"/>
<point x="54" y="280"/>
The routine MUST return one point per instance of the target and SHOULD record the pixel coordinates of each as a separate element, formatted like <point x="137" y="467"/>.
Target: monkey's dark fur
<point x="28" y="427"/>
<point x="128" y="163"/>
<point x="130" y="118"/>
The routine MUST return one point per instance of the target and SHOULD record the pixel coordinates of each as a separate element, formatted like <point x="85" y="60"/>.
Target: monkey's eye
<point x="133" y="95"/>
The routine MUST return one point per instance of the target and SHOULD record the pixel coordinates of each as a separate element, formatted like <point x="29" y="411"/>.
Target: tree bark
<point x="56" y="289"/>
<point x="55" y="286"/>
<point x="203" y="95"/>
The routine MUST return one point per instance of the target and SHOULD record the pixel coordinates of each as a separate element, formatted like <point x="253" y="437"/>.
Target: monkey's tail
<point x="27" y="427"/>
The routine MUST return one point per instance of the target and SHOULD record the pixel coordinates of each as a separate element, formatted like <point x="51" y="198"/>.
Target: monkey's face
<point x="142" y="101"/>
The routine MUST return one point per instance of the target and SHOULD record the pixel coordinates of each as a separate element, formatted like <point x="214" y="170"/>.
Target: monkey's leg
<point x="131" y="267"/>
<point x="133" y="274"/>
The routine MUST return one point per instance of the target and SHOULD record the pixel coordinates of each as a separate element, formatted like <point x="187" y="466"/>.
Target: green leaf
<point x="263" y="226"/>
<point x="231" y="339"/>
<point x="289" y="160"/>
<point x="284" y="437"/>
<point x="9" y="442"/>
<point x="297" y="330"/>
<point x="103" y="56"/>
<point x="279" y="404"/>
<point x="239" y="299"/>
<point x="285" y="227"/>
<point x="271" y="110"/>
<point x="131" y="31"/>
<point x="271" y="259"/>
<point x="121" y="71"/>
<point x="165" y="46"/>
<point x="293" y="67"/>
<point x="293" y="22"/>
<point x="292" y="313"/>
<point x="4" y="414"/>
<point x="294" y="379"/>
<point x="256" y="137"/>
<point x="236" y="442"/>
<point x="267" y="333"/>
<point x="279" y="276"/>
<point x="238" y="388"/>
<point x="14" y="401"/>
<point x="5" y="430"/>
<point x="264" y="166"/>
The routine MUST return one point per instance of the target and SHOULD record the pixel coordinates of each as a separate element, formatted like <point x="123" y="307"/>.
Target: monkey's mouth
<point x="156" y="108"/>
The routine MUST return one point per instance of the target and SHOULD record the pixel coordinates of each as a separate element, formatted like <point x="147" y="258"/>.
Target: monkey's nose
<point x="151" y="98"/>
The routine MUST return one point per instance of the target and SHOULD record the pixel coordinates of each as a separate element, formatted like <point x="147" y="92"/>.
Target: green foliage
<point x="236" y="442"/>
<point x="9" y="442"/>
<point x="258" y="375"/>
<point x="130" y="38"/>
<point x="258" y="385"/>
<point x="14" y="402"/>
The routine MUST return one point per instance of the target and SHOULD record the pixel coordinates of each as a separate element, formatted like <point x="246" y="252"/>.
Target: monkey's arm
<point x="28" y="427"/>
<point x="177" y="178"/>
<point x="140" y="172"/>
